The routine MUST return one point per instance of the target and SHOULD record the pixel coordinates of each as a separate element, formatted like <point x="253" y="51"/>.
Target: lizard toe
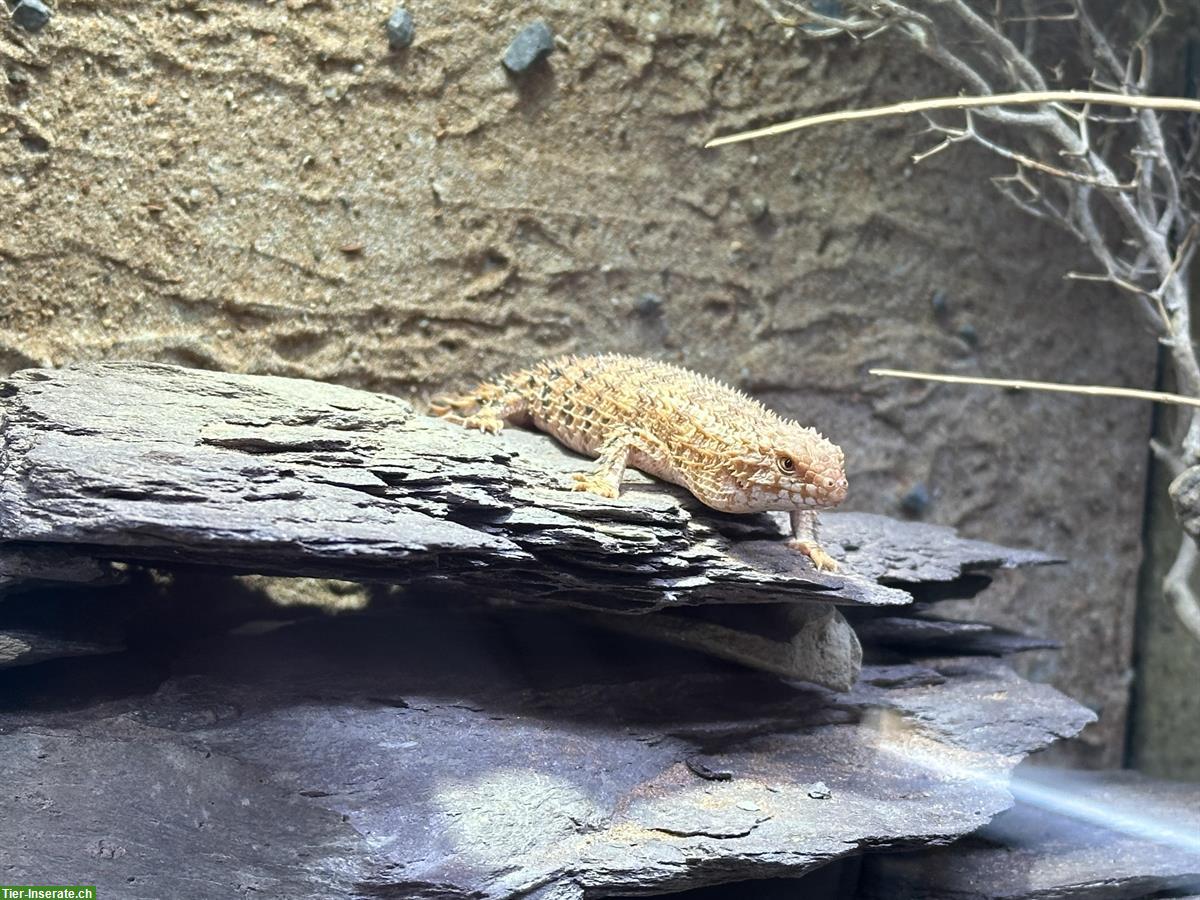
<point x="486" y="424"/>
<point x="821" y="560"/>
<point x="593" y="485"/>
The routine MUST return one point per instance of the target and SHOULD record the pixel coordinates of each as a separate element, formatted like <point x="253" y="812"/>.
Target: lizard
<point x="729" y="450"/>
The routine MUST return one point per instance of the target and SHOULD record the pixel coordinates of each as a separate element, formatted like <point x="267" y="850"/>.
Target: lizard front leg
<point x="605" y="478"/>
<point x="804" y="539"/>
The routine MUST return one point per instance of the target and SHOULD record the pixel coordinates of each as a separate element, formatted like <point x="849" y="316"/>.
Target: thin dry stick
<point x="1021" y="98"/>
<point x="1092" y="390"/>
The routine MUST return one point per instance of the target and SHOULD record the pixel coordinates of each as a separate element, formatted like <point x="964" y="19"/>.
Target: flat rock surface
<point x="919" y="634"/>
<point x="147" y="463"/>
<point x="1072" y="835"/>
<point x="441" y="756"/>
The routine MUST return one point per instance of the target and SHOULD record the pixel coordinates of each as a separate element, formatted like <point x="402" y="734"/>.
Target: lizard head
<point x="788" y="467"/>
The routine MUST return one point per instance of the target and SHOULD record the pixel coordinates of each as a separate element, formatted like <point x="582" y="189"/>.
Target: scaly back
<point x="581" y="399"/>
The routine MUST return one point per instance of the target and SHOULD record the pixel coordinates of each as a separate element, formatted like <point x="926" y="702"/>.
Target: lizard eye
<point x="786" y="464"/>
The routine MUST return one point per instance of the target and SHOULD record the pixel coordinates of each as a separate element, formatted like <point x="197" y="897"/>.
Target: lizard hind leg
<point x="486" y="408"/>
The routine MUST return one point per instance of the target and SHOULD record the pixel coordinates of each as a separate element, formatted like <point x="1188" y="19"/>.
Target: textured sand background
<point x="264" y="187"/>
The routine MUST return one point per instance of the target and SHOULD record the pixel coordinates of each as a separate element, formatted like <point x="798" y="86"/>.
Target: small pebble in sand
<point x="532" y="43"/>
<point x="400" y="28"/>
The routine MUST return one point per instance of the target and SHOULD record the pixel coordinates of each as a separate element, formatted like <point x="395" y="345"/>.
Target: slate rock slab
<point x="1072" y="835"/>
<point x="928" y="634"/>
<point x="23" y="648"/>
<point x="433" y="756"/>
<point x="29" y="567"/>
<point x="154" y="464"/>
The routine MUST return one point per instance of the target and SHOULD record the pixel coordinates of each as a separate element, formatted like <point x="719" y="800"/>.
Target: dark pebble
<point x="969" y="335"/>
<point x="532" y="43"/>
<point x="940" y="303"/>
<point x="35" y="143"/>
<point x="648" y="305"/>
<point x="916" y="501"/>
<point x="400" y="28"/>
<point x="32" y="15"/>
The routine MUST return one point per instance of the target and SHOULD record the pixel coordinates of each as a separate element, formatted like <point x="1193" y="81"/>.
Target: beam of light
<point x="1068" y="802"/>
<point x="900" y="739"/>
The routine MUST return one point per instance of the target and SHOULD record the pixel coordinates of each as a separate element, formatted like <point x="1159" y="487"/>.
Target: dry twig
<point x="1018" y="384"/>
<point x="934" y="103"/>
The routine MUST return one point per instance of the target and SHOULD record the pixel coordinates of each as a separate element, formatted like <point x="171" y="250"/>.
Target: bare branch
<point x="1168" y="457"/>
<point x="1040" y="166"/>
<point x="1100" y="46"/>
<point x="1022" y="98"/>
<point x="1152" y="303"/>
<point x="1177" y="588"/>
<point x="1025" y="72"/>
<point x="1183" y="256"/>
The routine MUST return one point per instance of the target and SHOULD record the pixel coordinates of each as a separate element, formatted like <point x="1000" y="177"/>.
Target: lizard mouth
<point x="830" y="492"/>
<point x="804" y="502"/>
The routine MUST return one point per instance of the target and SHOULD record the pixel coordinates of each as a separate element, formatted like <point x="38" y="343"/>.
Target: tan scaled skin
<point x="729" y="450"/>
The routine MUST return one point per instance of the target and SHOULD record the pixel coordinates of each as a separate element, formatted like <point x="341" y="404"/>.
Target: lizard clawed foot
<point x="596" y="484"/>
<point x="821" y="560"/>
<point x="487" y="422"/>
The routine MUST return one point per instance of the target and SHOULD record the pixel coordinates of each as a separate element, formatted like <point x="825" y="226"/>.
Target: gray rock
<point x="23" y="648"/>
<point x="1073" y="835"/>
<point x="820" y="791"/>
<point x="400" y="28"/>
<point x="804" y="642"/>
<point x="26" y="567"/>
<point x="901" y="676"/>
<point x="32" y="15"/>
<point x="927" y="634"/>
<point x="277" y="476"/>
<point x="437" y="756"/>
<point x="532" y="43"/>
